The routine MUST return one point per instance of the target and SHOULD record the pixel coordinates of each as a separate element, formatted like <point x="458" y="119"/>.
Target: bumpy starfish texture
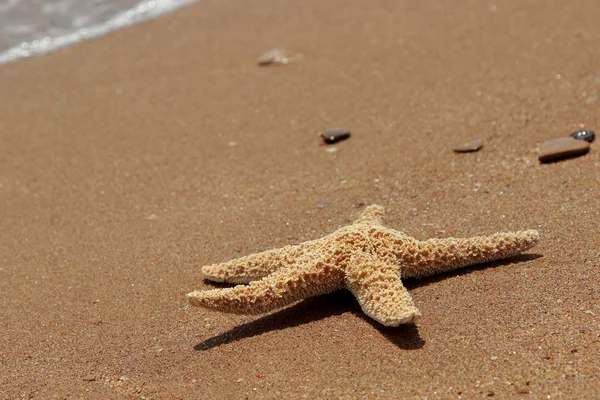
<point x="367" y="258"/>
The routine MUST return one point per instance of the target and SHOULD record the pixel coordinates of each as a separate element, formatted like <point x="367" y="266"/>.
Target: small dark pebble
<point x="584" y="134"/>
<point x="335" y="135"/>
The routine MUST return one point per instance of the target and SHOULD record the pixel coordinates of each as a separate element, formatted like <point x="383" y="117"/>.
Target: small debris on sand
<point x="584" y="134"/>
<point x="323" y="204"/>
<point x="335" y="135"/>
<point x="561" y="148"/>
<point x="277" y="56"/>
<point x="469" y="147"/>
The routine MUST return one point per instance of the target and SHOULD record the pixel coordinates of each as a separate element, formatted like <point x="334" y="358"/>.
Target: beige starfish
<point x="365" y="257"/>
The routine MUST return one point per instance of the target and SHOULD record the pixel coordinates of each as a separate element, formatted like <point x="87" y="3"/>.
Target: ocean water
<point x="35" y="27"/>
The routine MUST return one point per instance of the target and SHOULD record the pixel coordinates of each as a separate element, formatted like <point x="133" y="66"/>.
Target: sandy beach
<point x="131" y="161"/>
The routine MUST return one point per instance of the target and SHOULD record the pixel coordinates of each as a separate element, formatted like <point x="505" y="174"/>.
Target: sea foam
<point x="30" y="28"/>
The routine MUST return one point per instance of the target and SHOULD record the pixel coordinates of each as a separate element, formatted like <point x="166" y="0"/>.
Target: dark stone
<point x="584" y="134"/>
<point x="335" y="135"/>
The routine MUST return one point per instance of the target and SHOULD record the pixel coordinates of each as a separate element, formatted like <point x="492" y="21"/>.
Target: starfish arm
<point x="439" y="255"/>
<point x="372" y="215"/>
<point x="255" y="266"/>
<point x="379" y="291"/>
<point x="283" y="287"/>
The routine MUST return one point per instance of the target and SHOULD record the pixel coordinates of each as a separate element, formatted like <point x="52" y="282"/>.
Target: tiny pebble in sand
<point x="584" y="134"/>
<point x="561" y="148"/>
<point x="277" y="56"/>
<point x="335" y="135"/>
<point x="469" y="147"/>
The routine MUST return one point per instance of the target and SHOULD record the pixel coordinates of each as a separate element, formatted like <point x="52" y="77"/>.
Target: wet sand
<point x="118" y="181"/>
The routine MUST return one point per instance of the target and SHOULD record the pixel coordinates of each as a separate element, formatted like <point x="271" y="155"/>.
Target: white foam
<point x="142" y="11"/>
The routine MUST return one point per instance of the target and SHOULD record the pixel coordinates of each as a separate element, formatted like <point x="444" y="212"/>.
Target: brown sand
<point x="117" y="184"/>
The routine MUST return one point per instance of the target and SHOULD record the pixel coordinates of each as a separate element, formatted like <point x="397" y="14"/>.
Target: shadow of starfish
<point x="320" y="307"/>
<point x="310" y="310"/>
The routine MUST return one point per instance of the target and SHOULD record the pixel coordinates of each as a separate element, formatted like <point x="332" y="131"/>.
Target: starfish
<point x="366" y="257"/>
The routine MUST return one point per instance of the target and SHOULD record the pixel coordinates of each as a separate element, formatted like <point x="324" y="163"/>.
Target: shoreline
<point x="42" y="45"/>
